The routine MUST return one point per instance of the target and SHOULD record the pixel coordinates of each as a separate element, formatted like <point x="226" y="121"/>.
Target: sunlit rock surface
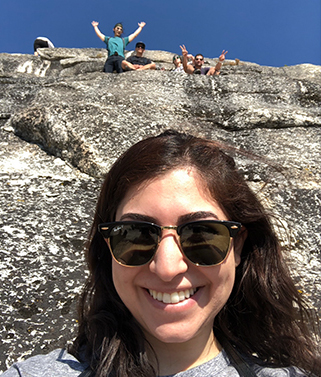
<point x="63" y="122"/>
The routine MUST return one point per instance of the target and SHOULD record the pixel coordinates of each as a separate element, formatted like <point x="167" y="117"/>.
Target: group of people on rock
<point x="116" y="55"/>
<point x="116" y="50"/>
<point x="116" y="61"/>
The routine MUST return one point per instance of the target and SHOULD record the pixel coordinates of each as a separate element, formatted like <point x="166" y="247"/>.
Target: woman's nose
<point x="169" y="261"/>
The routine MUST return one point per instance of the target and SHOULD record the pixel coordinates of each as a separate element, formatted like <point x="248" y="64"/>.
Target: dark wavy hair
<point x="265" y="314"/>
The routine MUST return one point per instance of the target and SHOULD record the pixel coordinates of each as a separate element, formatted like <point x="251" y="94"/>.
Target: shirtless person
<point x="198" y="68"/>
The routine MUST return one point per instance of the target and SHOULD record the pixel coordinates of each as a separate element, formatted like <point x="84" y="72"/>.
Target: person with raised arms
<point x="116" y="45"/>
<point x="197" y="67"/>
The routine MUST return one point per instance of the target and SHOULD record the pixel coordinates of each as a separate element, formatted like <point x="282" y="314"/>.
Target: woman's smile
<point x="172" y="298"/>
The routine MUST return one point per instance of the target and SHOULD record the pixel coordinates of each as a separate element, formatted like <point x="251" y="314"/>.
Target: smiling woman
<point x="186" y="276"/>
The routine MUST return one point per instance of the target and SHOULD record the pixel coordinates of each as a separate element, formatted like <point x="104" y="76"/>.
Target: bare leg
<point x="127" y="66"/>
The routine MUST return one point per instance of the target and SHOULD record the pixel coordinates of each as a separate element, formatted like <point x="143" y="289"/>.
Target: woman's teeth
<point x="172" y="298"/>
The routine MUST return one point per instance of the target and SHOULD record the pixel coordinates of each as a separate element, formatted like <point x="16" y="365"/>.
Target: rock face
<point x="63" y="122"/>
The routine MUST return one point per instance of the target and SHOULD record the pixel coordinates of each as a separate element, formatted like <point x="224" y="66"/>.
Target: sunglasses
<point x="201" y="59"/>
<point x="140" y="46"/>
<point x="204" y="242"/>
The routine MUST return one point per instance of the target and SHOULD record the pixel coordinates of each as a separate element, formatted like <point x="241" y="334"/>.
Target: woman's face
<point x="172" y="199"/>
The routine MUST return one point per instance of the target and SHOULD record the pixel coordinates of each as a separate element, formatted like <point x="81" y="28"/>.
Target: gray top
<point x="59" y="363"/>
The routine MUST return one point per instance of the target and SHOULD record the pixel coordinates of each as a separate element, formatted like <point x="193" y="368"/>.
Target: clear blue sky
<point x="267" y="32"/>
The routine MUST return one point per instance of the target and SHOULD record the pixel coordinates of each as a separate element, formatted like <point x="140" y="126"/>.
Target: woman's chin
<point x="172" y="334"/>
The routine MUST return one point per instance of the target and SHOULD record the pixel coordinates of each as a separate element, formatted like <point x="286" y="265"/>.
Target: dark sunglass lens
<point x="133" y="244"/>
<point x="205" y="244"/>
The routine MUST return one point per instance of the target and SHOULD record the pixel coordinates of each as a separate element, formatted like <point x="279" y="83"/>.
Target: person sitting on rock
<point x="137" y="62"/>
<point x="177" y="61"/>
<point x="116" y="45"/>
<point x="198" y="68"/>
<point x="41" y="42"/>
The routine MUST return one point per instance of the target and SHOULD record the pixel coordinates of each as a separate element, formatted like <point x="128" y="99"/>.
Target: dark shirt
<point x="138" y="60"/>
<point x="202" y="71"/>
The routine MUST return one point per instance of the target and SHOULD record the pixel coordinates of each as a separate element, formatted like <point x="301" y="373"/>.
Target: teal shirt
<point x="116" y="44"/>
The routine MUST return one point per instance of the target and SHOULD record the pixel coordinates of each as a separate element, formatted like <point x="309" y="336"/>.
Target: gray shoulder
<point x="279" y="372"/>
<point x="57" y="363"/>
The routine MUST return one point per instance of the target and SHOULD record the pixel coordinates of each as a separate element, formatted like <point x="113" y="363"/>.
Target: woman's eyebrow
<point x="194" y="216"/>
<point x="137" y="217"/>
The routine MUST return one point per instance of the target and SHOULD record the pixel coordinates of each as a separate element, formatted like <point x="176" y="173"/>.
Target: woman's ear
<point x="238" y="245"/>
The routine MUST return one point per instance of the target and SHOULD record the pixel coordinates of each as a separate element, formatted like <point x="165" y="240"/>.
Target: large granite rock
<point x="63" y="122"/>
